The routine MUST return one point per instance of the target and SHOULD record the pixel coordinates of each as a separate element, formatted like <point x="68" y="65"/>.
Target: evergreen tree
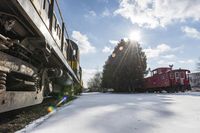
<point x="124" y="70"/>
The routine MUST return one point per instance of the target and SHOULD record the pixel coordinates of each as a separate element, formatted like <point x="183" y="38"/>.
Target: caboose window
<point x="182" y="75"/>
<point x="171" y="75"/>
<point x="177" y="74"/>
<point x="155" y="72"/>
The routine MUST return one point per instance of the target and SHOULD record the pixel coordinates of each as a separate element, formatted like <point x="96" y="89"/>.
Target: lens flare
<point x="50" y="109"/>
<point x="63" y="100"/>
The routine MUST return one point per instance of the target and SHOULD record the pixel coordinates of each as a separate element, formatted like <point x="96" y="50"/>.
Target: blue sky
<point x="168" y="30"/>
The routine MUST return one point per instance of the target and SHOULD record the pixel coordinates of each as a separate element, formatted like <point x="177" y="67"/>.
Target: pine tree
<point x="124" y="70"/>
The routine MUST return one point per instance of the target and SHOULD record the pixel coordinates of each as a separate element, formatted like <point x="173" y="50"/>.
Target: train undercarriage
<point x="172" y="89"/>
<point x="26" y="77"/>
<point x="31" y="66"/>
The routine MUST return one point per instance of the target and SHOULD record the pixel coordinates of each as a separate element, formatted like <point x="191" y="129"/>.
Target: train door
<point x="171" y="77"/>
<point x="182" y="77"/>
<point x="177" y="78"/>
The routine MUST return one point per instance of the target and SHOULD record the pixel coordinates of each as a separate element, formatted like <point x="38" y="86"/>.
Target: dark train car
<point x="35" y="52"/>
<point x="168" y="80"/>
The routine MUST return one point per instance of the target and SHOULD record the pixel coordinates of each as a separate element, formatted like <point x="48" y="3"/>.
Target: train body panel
<point x="34" y="50"/>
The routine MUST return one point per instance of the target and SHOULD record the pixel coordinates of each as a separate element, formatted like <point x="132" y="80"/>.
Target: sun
<point x="135" y="35"/>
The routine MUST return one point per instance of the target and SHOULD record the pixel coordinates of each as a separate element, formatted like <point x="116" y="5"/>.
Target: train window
<point x="177" y="74"/>
<point x="69" y="53"/>
<point x="60" y="34"/>
<point x="182" y="74"/>
<point x="162" y="77"/>
<point x="46" y="5"/>
<point x="66" y="45"/>
<point x="187" y="76"/>
<point x="155" y="72"/>
<point x="159" y="71"/>
<point x="53" y="21"/>
<point x="58" y="31"/>
<point x="171" y="76"/>
<point x="41" y="3"/>
<point x="55" y="26"/>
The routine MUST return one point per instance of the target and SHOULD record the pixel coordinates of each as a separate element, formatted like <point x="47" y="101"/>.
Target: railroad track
<point x="15" y="120"/>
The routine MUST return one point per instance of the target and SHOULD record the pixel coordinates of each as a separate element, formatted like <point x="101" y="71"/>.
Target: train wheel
<point x="167" y="90"/>
<point x="172" y="90"/>
<point x="183" y="88"/>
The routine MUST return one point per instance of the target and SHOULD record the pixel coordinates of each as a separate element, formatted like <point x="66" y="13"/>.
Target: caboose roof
<point x="161" y="68"/>
<point x="181" y="70"/>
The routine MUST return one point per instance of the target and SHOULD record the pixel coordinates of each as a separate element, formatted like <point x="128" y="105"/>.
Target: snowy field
<point x="126" y="113"/>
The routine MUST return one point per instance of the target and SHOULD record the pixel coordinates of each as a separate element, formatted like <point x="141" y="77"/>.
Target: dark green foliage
<point x="125" y="68"/>
<point x="77" y="89"/>
<point x="70" y="91"/>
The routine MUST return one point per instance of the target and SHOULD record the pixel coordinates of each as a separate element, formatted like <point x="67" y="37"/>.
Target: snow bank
<point x="126" y="113"/>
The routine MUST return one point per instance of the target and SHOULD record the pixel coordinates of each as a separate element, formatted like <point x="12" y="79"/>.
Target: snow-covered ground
<point x="126" y="113"/>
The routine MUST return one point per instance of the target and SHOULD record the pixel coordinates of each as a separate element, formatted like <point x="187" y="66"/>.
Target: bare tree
<point x="94" y="84"/>
<point x="198" y="65"/>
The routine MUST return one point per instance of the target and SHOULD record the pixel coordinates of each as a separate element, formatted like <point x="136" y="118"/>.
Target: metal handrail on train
<point x="64" y="30"/>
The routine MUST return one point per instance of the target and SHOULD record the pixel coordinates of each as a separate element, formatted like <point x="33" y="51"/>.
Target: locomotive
<point x="36" y="55"/>
<point x="166" y="79"/>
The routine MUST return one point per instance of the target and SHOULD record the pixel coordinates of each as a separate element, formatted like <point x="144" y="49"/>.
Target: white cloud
<point x="157" y="51"/>
<point x="83" y="43"/>
<point x="106" y="13"/>
<point x="107" y="49"/>
<point x="189" y="61"/>
<point x="154" y="13"/>
<point x="191" y="32"/>
<point x="113" y="42"/>
<point x="165" y="63"/>
<point x="88" y="74"/>
<point x="91" y="13"/>
<point x="170" y="56"/>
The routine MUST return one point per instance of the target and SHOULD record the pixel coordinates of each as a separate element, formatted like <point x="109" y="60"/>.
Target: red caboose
<point x="167" y="79"/>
